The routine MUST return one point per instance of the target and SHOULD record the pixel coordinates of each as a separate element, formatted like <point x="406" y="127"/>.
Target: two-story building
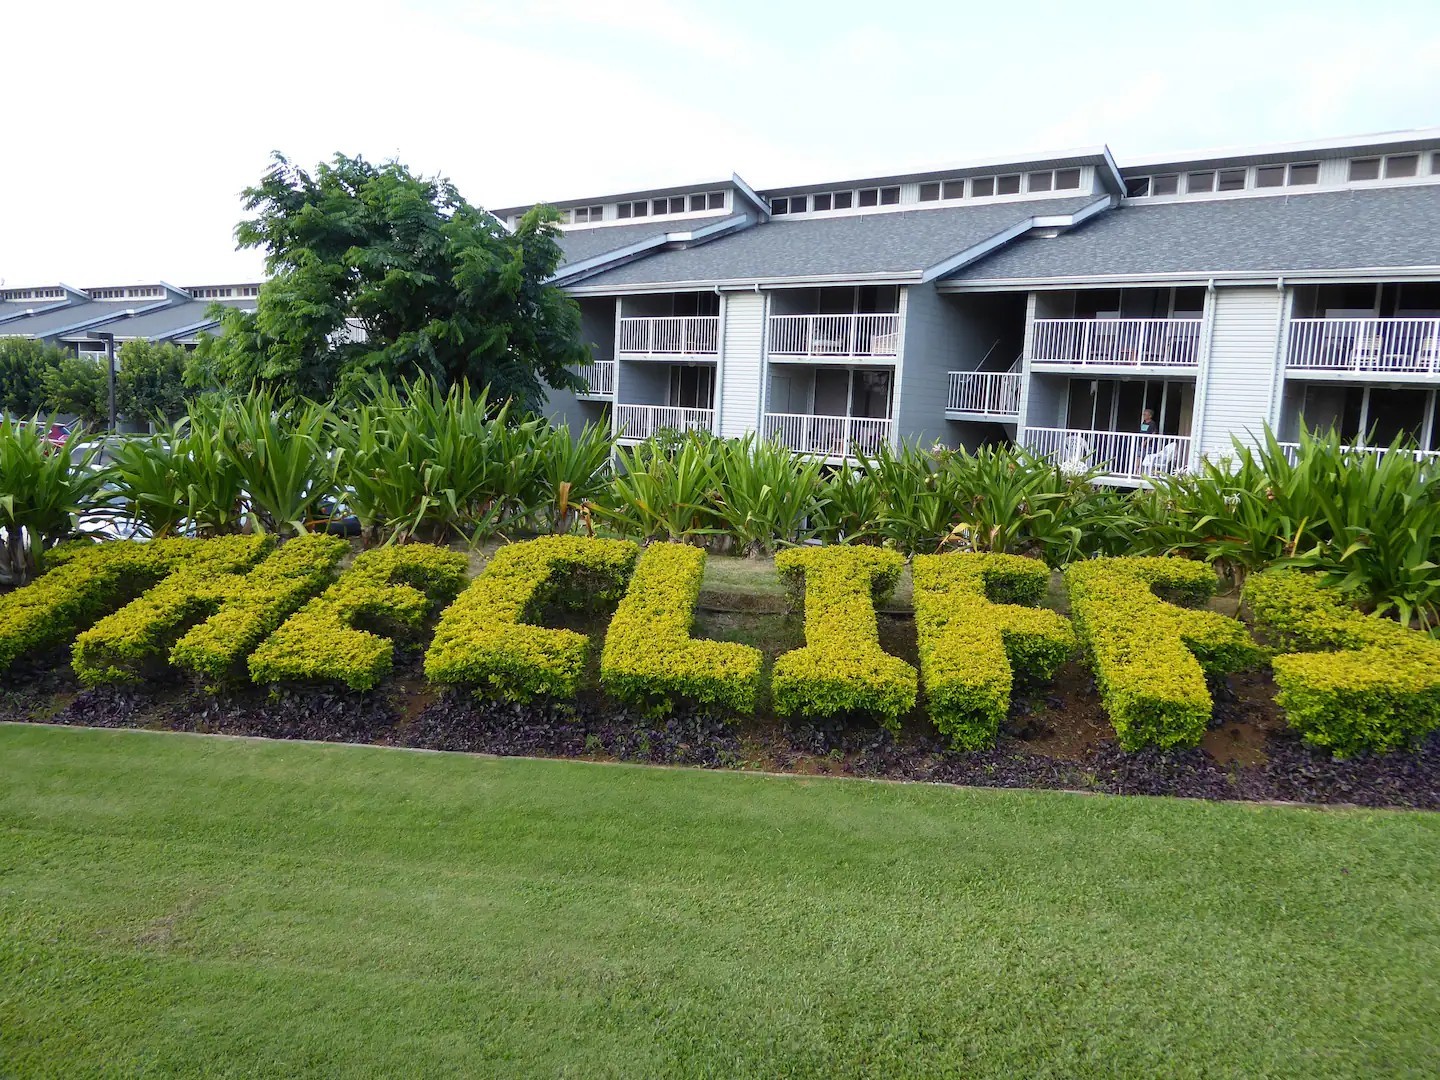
<point x="1050" y="301"/>
<point x="70" y="318"/>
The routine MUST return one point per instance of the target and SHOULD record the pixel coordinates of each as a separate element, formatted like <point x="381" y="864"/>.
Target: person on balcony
<point x="1147" y="422"/>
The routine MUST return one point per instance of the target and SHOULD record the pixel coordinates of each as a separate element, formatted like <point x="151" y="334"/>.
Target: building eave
<point x="1197" y="277"/>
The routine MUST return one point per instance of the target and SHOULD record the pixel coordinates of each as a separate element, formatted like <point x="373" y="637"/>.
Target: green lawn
<point x="181" y="905"/>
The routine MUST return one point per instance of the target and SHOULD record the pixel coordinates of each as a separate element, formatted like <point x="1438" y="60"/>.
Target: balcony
<point x="1119" y="455"/>
<point x="834" y="337"/>
<point x="984" y="395"/>
<point x="1369" y="348"/>
<point x="599" y="378"/>
<point x="636" y="422"/>
<point x="670" y="336"/>
<point x="1124" y="344"/>
<point x="828" y="436"/>
<point x="1292" y="452"/>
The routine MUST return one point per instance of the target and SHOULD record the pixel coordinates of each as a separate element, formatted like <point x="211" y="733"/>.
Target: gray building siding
<point x="936" y="338"/>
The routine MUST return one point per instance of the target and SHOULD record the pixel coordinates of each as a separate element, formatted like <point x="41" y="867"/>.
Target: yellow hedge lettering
<point x="842" y="669"/>
<point x="651" y="660"/>
<point x="1150" y="657"/>
<point x="977" y="622"/>
<point x="390" y="590"/>
<point x="487" y="640"/>
<point x="1380" y="693"/>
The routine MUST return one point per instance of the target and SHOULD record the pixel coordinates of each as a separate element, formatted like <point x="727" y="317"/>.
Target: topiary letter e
<point x="488" y="641"/>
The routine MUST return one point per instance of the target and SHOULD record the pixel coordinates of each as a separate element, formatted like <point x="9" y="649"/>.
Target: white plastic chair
<point x="1161" y="460"/>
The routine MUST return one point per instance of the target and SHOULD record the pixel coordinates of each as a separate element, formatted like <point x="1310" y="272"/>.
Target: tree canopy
<point x="24" y="364"/>
<point x="376" y="271"/>
<point x="150" y="384"/>
<point x="79" y="386"/>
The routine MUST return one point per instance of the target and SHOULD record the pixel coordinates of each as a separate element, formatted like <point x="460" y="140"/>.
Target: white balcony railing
<point x="830" y="436"/>
<point x="599" y="378"/>
<point x="675" y="335"/>
<point x="1125" y="454"/>
<point x="1292" y="452"/>
<point x="988" y="393"/>
<point x="1167" y="343"/>
<point x="1403" y="346"/>
<point x="643" y="421"/>
<point x="835" y="335"/>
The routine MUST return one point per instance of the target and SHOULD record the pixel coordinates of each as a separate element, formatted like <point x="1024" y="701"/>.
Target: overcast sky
<point x="130" y="129"/>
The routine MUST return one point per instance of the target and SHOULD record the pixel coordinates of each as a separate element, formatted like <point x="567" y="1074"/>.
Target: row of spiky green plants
<point x="1368" y="522"/>
<point x="757" y="495"/>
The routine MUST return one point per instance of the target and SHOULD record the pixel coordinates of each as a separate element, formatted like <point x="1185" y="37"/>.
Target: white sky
<point x="129" y="129"/>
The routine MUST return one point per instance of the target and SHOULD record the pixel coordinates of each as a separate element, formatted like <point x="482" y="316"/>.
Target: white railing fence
<point x="1121" y="342"/>
<point x="676" y="335"/>
<point x="1116" y="453"/>
<point x="1402" y="345"/>
<point x="992" y="393"/>
<point x="643" y="421"/>
<point x="834" y="335"/>
<point x="599" y="377"/>
<point x="831" y="436"/>
<point x="1292" y="452"/>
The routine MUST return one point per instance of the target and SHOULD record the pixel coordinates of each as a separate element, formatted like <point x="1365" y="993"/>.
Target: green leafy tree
<point x="376" y="271"/>
<point x="79" y="386"/>
<point x="151" y="381"/>
<point x="24" y="363"/>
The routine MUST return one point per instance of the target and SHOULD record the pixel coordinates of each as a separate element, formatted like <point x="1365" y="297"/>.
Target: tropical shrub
<point x="134" y="641"/>
<point x="574" y="471"/>
<point x="81" y="583"/>
<point x="765" y="494"/>
<point x="42" y="490"/>
<point x="416" y="461"/>
<point x="851" y="505"/>
<point x="1380" y="693"/>
<point x="1368" y="522"/>
<point x="150" y="384"/>
<point x="842" y="669"/>
<point x="649" y="657"/>
<point x="348" y="633"/>
<point x="1150" y="657"/>
<point x="487" y="639"/>
<point x="182" y="480"/>
<point x="79" y="386"/>
<point x="280" y="451"/>
<point x="664" y="493"/>
<point x="977" y="623"/>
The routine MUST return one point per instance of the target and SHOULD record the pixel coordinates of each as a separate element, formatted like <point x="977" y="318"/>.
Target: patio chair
<point x="1075" y="455"/>
<point x="1161" y="461"/>
<point x="1368" y="352"/>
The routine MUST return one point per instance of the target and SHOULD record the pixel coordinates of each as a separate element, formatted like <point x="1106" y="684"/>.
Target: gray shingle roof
<point x="1333" y="230"/>
<point x="893" y="243"/>
<point x="48" y="323"/>
<point x="582" y="244"/>
<point x="168" y="321"/>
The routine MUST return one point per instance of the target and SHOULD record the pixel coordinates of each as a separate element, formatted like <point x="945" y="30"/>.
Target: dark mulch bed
<point x="1056" y="737"/>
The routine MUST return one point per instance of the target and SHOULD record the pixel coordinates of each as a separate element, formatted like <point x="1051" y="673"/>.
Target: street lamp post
<point x="109" y="339"/>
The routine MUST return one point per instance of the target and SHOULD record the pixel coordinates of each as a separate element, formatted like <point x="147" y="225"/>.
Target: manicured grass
<point x="180" y="905"/>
